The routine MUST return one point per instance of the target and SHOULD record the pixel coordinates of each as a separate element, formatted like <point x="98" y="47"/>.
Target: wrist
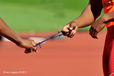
<point x="75" y="24"/>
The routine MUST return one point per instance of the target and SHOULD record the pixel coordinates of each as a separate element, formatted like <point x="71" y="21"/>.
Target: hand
<point x="28" y="45"/>
<point x="70" y="29"/>
<point x="96" y="28"/>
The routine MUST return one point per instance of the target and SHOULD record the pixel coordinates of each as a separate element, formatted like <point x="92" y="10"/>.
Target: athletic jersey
<point x="108" y="6"/>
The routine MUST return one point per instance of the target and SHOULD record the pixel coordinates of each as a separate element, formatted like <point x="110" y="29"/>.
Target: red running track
<point x="79" y="56"/>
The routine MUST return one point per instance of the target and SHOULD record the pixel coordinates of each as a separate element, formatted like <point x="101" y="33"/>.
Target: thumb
<point x="72" y="26"/>
<point x="66" y="28"/>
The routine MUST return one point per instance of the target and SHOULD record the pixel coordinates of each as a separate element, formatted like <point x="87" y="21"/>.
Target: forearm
<point x="8" y="33"/>
<point x="100" y="23"/>
<point x="108" y="17"/>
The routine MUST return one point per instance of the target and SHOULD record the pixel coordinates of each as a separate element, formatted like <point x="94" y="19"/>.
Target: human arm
<point x="11" y="35"/>
<point x="88" y="16"/>
<point x="100" y="24"/>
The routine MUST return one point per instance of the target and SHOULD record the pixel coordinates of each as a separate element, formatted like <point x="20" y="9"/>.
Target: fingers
<point x="33" y="43"/>
<point x="31" y="48"/>
<point x="93" y="33"/>
<point x="34" y="48"/>
<point x="70" y="29"/>
<point x="27" y="51"/>
<point x="73" y="30"/>
<point x="65" y="30"/>
<point x="72" y="33"/>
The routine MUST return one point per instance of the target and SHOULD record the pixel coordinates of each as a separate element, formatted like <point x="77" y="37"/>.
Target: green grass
<point x="40" y="15"/>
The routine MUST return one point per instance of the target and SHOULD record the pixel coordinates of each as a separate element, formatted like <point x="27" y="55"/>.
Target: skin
<point x="11" y="35"/>
<point x="101" y="23"/>
<point x="93" y="9"/>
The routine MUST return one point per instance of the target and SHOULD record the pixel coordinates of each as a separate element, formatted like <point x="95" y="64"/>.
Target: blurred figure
<point x="11" y="35"/>
<point x="88" y="17"/>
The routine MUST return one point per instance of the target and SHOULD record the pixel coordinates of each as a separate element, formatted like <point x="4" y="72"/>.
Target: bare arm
<point x="108" y="17"/>
<point x="11" y="35"/>
<point x="8" y="33"/>
<point x="88" y="16"/>
<point x="100" y="23"/>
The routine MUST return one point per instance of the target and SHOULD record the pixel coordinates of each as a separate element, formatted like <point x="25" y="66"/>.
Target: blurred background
<point x="40" y="15"/>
